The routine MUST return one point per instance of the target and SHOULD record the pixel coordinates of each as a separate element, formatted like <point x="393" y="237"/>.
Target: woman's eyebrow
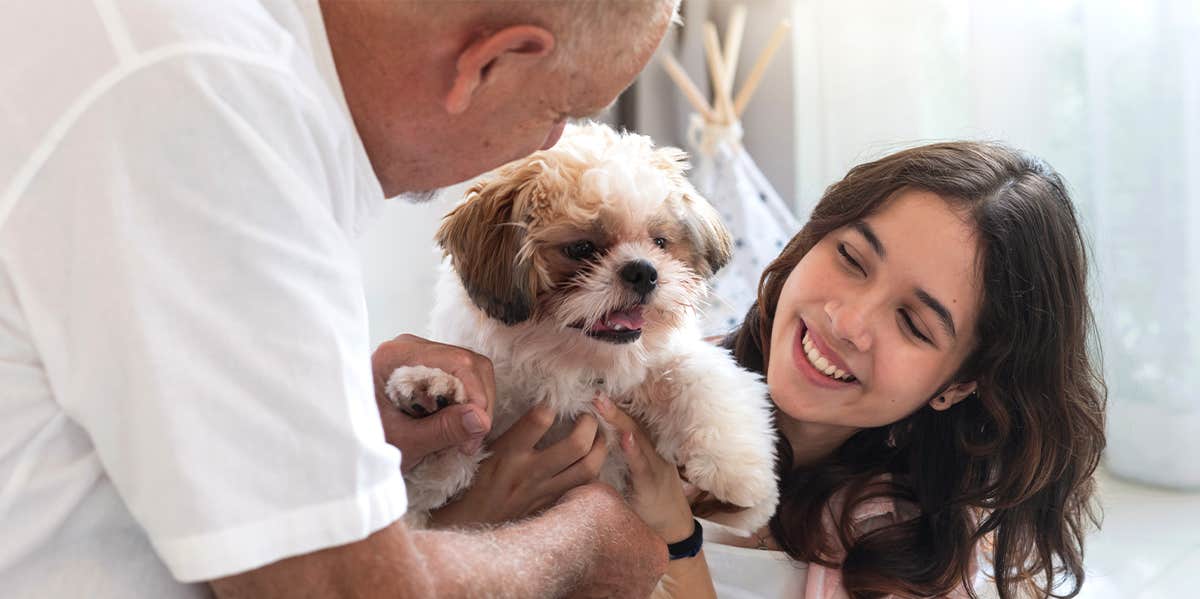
<point x="938" y="308"/>
<point x="867" y="232"/>
<point x="941" y="311"/>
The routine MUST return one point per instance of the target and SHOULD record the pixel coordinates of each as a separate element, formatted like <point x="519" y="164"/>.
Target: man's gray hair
<point x="581" y="26"/>
<point x="592" y="23"/>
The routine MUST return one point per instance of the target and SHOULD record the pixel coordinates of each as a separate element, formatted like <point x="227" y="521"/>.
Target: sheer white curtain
<point x="1109" y="93"/>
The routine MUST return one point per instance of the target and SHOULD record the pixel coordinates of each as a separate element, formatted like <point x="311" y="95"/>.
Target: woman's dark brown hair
<point x="1007" y="471"/>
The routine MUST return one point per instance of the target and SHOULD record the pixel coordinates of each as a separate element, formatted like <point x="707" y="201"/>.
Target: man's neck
<point x="380" y="85"/>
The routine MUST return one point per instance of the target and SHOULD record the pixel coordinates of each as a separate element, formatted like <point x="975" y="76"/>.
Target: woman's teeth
<point x="822" y="364"/>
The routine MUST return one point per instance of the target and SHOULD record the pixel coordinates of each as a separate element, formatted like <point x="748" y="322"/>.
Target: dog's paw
<point x="743" y="478"/>
<point x="749" y="483"/>
<point x="420" y="390"/>
<point x="749" y="519"/>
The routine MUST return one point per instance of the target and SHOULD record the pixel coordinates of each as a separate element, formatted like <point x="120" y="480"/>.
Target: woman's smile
<point x="818" y="363"/>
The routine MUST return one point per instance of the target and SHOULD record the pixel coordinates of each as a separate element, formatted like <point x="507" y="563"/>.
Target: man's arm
<point x="589" y="545"/>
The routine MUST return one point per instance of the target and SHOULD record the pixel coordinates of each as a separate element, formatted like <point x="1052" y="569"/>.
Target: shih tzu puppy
<point x="578" y="270"/>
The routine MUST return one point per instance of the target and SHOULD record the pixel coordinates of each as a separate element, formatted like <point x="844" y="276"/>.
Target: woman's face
<point x="877" y="317"/>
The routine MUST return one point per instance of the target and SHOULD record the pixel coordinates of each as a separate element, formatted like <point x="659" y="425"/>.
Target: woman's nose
<point x="849" y="323"/>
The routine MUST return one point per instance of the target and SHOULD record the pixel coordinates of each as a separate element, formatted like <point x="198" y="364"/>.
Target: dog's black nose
<point x="640" y="275"/>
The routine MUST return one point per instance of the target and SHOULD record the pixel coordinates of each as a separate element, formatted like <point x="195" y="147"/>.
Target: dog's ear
<point x="483" y="237"/>
<point x="714" y="244"/>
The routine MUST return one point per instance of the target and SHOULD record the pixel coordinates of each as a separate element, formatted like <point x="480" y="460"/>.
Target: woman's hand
<point x="518" y="480"/>
<point x="658" y="494"/>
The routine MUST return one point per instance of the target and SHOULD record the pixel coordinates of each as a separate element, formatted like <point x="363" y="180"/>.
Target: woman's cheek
<point x="901" y="390"/>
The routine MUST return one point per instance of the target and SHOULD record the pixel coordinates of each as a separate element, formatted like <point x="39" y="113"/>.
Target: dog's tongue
<point x="631" y="319"/>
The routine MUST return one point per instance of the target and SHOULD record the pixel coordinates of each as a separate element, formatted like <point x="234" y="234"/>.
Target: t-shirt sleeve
<point x="198" y="306"/>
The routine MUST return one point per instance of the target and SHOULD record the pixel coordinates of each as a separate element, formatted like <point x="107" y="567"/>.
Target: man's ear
<point x="475" y="61"/>
<point x="952" y="395"/>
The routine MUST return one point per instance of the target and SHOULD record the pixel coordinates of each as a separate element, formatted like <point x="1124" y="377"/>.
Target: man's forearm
<point x="543" y="557"/>
<point x="590" y="542"/>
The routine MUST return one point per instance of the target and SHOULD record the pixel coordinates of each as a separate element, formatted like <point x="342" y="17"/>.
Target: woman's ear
<point x="475" y="62"/>
<point x="952" y="395"/>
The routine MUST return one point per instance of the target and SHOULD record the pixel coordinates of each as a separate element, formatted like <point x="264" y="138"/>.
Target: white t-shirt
<point x="185" y="385"/>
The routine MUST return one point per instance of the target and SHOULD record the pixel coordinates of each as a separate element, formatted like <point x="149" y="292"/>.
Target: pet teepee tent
<point x="726" y="175"/>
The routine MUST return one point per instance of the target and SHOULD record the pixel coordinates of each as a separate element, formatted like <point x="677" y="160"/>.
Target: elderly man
<point x="187" y="383"/>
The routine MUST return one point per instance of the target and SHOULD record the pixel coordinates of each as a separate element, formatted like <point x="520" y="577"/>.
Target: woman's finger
<point x="614" y="415"/>
<point x="583" y="471"/>
<point x="620" y="420"/>
<point x="527" y="431"/>
<point x="632" y="440"/>
<point x="640" y="470"/>
<point x="574" y="447"/>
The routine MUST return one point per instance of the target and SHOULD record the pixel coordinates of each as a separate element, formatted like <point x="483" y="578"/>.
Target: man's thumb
<point x="457" y="425"/>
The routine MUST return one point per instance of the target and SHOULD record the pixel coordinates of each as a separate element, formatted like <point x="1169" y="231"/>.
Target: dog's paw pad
<point x="420" y="390"/>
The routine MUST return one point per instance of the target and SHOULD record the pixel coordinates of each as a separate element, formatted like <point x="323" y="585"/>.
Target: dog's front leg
<point x="420" y="391"/>
<point x="714" y="419"/>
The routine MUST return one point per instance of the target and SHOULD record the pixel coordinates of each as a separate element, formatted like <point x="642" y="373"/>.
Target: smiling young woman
<point x="925" y="338"/>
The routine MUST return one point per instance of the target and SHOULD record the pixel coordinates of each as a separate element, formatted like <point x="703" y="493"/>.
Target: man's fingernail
<point x="473" y="423"/>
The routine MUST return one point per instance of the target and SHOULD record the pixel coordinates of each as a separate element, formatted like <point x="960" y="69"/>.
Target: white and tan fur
<point x="510" y="292"/>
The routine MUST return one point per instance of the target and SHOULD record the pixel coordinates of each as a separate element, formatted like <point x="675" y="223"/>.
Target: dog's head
<point x="602" y="234"/>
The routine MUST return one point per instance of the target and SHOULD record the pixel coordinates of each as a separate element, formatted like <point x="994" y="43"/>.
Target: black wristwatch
<point x="690" y="546"/>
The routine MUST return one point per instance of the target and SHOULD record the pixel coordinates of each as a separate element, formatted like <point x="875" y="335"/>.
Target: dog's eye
<point x="580" y="250"/>
<point x="660" y="242"/>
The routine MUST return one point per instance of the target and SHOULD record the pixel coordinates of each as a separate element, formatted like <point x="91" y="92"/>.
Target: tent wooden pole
<point x="716" y="69"/>
<point x="693" y="95"/>
<point x="760" y="67"/>
<point x="733" y="44"/>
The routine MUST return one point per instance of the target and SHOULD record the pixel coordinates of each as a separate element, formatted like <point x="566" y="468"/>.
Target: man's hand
<point x="463" y="425"/>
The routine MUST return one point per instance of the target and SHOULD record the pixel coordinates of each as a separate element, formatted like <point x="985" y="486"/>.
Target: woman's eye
<point x="580" y="250"/>
<point x="841" y="248"/>
<point x="912" y="327"/>
<point x="660" y="242"/>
